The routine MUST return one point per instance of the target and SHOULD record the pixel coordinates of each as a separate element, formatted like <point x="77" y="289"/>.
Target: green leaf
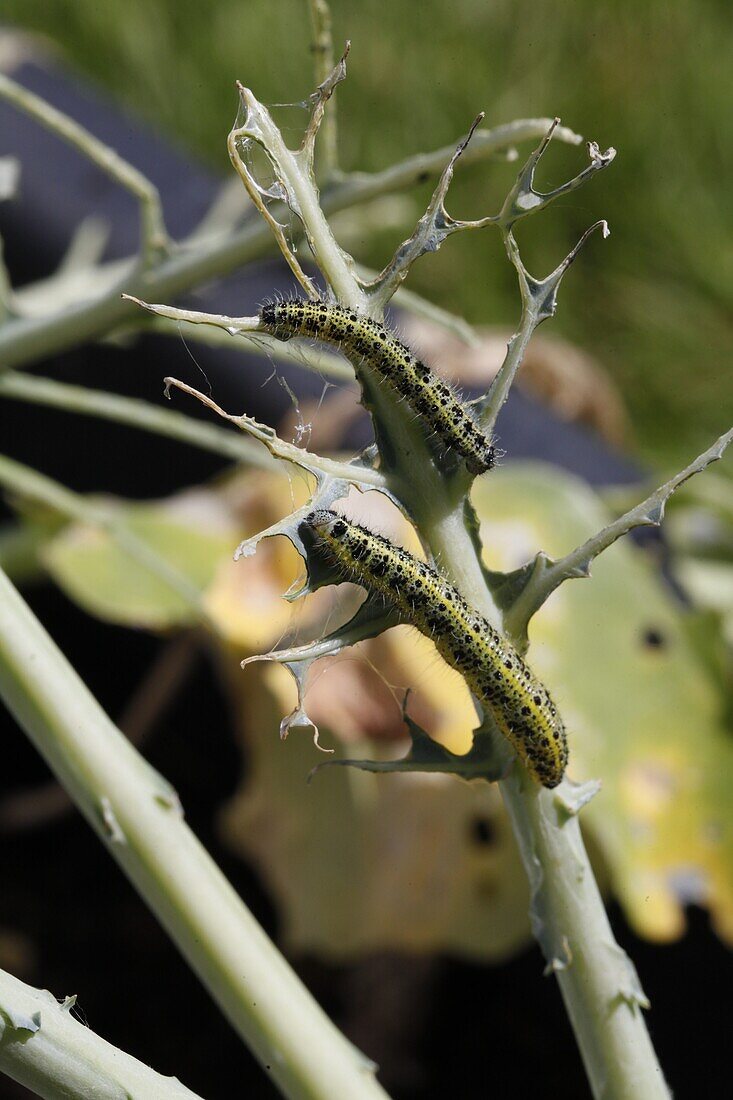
<point x="98" y="574"/>
<point x="642" y="712"/>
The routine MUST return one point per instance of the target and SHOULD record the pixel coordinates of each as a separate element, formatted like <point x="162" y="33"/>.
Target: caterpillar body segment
<point x="367" y="340"/>
<point x="494" y="671"/>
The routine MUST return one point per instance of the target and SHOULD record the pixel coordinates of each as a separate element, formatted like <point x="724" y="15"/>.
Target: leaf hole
<point x="482" y="831"/>
<point x="653" y="638"/>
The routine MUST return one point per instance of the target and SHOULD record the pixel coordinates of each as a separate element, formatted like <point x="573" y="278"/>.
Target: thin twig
<point x="308" y="460"/>
<point x="539" y="302"/>
<point x="217" y="329"/>
<point x="432" y="229"/>
<point x="135" y="413"/>
<point x="153" y="235"/>
<point x="323" y="64"/>
<point x="545" y="575"/>
<point x="328" y="75"/>
<point x="298" y="353"/>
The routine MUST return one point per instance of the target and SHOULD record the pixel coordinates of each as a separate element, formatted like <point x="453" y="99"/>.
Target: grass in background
<point x="654" y="303"/>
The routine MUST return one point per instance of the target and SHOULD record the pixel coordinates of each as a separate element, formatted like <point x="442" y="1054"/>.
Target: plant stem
<point x="597" y="980"/>
<point x="26" y="340"/>
<point x="44" y="1048"/>
<point x="138" y="817"/>
<point x="288" y="452"/>
<point x="322" y="48"/>
<point x="135" y="413"/>
<point x="154" y="239"/>
<point x="568" y="916"/>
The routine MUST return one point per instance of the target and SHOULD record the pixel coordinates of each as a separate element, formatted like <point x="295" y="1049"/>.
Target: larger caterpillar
<point x="388" y="357"/>
<point x="494" y="671"/>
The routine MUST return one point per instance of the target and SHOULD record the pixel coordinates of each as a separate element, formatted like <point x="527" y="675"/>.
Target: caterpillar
<point x="494" y="671"/>
<point x="393" y="362"/>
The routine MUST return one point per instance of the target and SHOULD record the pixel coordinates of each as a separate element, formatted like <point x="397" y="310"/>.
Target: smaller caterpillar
<point x="390" y="360"/>
<point x="494" y="671"/>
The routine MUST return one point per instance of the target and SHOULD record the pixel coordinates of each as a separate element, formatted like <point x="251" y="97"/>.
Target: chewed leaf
<point x="371" y="619"/>
<point x="524" y="198"/>
<point x="97" y="573"/>
<point x="427" y="755"/>
<point x="529" y="586"/>
<point x="360" y="863"/>
<point x="318" y="572"/>
<point x="640" y="706"/>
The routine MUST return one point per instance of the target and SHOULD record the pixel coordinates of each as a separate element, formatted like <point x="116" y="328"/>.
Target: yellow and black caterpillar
<point x="494" y="671"/>
<point x="367" y="340"/>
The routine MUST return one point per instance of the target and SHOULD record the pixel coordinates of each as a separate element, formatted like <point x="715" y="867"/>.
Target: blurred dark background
<point x="653" y="305"/>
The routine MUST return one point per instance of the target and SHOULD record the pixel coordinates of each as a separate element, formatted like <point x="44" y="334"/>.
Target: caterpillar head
<point x="325" y="521"/>
<point x="270" y="314"/>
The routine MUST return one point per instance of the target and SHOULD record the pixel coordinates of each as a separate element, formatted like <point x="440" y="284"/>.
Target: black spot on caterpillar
<point x="388" y="357"/>
<point x="494" y="671"/>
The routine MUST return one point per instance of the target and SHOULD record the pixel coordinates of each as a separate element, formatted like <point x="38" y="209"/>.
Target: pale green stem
<point x="611" y="1033"/>
<point x="308" y="460"/>
<point x="154" y="238"/>
<point x="597" y="980"/>
<point x="305" y="199"/>
<point x="298" y="353"/>
<point x="502" y="384"/>
<point x="135" y="413"/>
<point x="249" y="336"/>
<point x="138" y="817"/>
<point x="57" y="1057"/>
<point x="323" y="63"/>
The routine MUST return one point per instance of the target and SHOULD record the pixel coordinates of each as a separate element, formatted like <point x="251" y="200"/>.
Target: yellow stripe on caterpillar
<point x="372" y="343"/>
<point x="494" y="671"/>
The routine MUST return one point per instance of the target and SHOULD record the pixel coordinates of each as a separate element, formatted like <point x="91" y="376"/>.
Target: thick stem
<point x="44" y="1048"/>
<point x="450" y="544"/>
<point x="597" y="980"/>
<point x="304" y="197"/>
<point x="569" y="919"/>
<point x="138" y="817"/>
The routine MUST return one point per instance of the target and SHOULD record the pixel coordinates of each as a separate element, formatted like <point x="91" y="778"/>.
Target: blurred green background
<point x="653" y="303"/>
